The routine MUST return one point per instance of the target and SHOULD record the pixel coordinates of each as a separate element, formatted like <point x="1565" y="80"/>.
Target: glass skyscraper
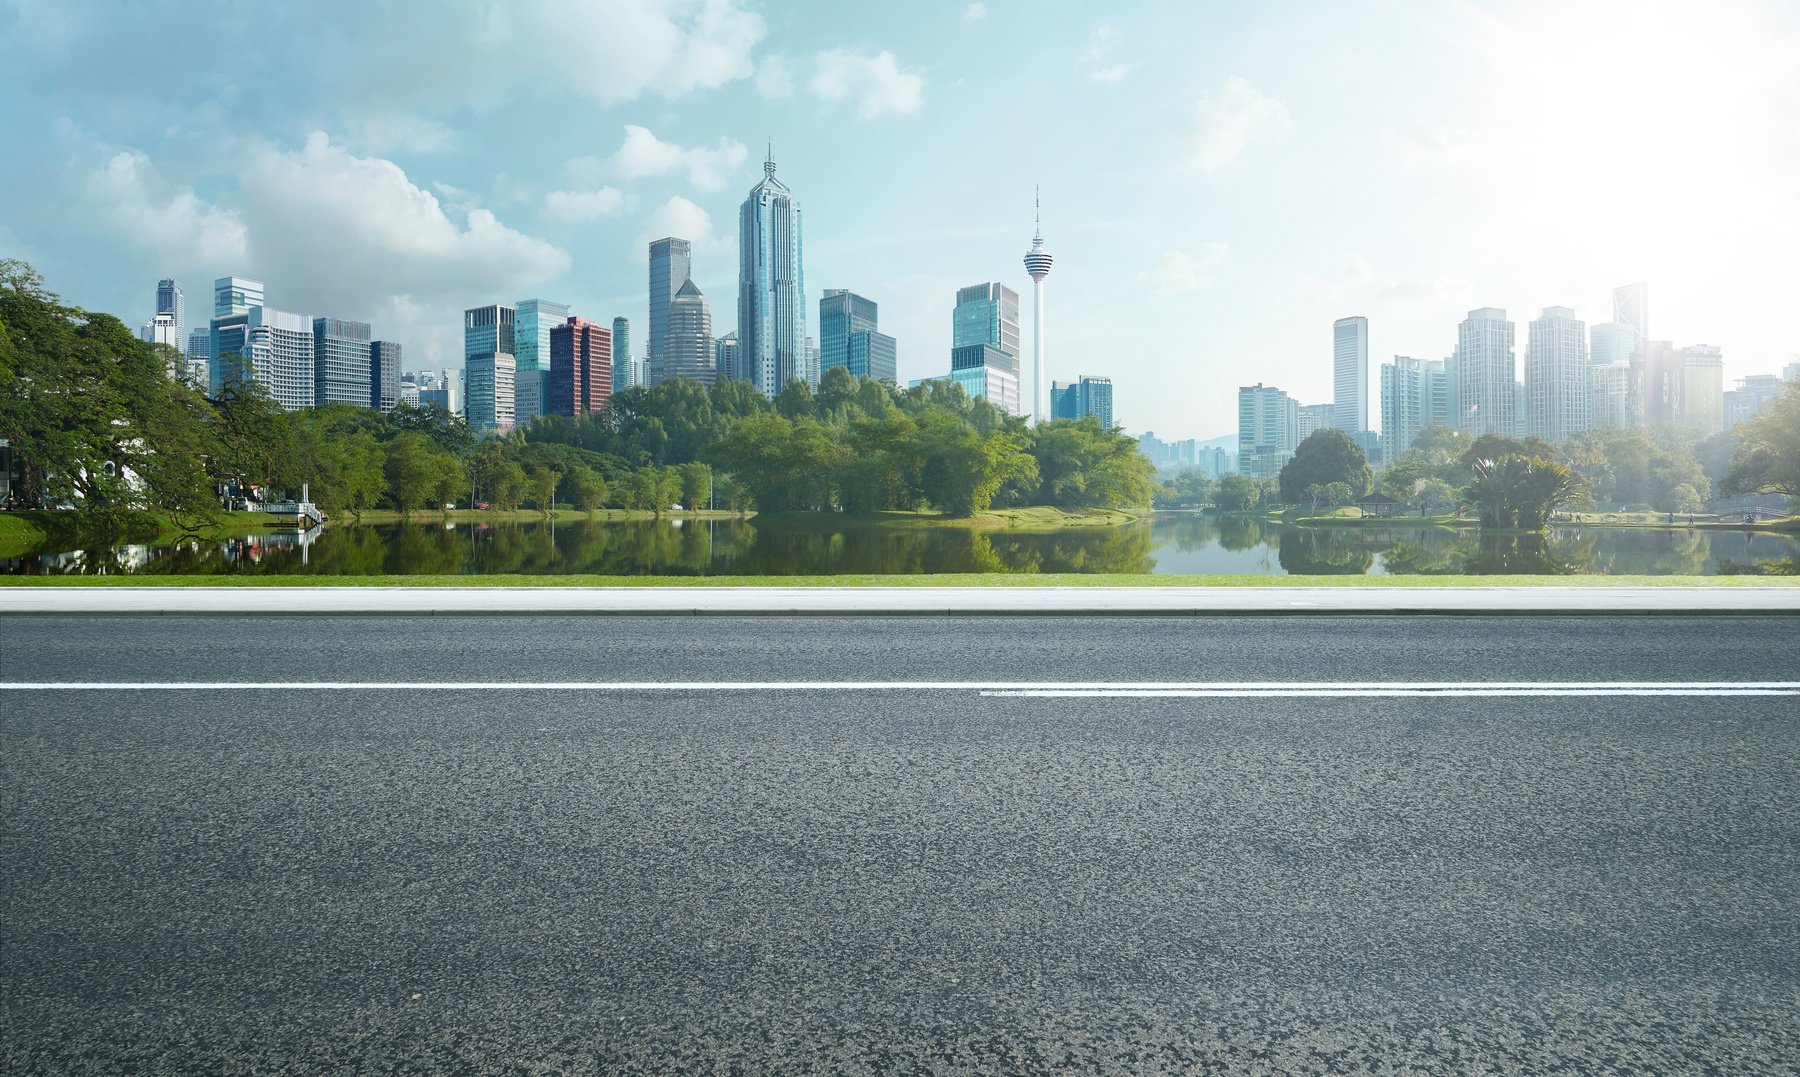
<point x="490" y="343"/>
<point x="986" y="314"/>
<point x="1076" y="399"/>
<point x="989" y="373"/>
<point x="771" y="285"/>
<point x="848" y="337"/>
<point x="270" y="347"/>
<point x="532" y="321"/>
<point x="671" y="263"/>
<point x="1350" y="374"/>
<point x="341" y="362"/>
<point x="688" y="350"/>
<point x="384" y="375"/>
<point x="1268" y="430"/>
<point x="236" y="295"/>
<point x="171" y="302"/>
<point x="621" y="341"/>
<point x="727" y="358"/>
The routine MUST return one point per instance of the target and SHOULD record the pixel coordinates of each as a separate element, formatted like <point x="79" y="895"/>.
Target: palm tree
<point x="1520" y="492"/>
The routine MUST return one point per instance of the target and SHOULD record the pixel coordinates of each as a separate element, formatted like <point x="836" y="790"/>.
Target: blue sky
<point x="1221" y="180"/>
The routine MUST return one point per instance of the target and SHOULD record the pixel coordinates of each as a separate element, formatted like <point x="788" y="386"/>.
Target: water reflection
<point x="1184" y="543"/>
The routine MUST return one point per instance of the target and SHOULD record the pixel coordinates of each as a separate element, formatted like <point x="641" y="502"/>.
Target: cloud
<point x="132" y="197"/>
<point x="399" y="134"/>
<point x="1181" y="273"/>
<point x="875" y="82"/>
<point x="584" y="205"/>
<point x="1097" y="61"/>
<point x="775" y="77"/>
<point x="343" y="232"/>
<point x="975" y="13"/>
<point x="643" y="154"/>
<point x="677" y="217"/>
<point x="1226" y="122"/>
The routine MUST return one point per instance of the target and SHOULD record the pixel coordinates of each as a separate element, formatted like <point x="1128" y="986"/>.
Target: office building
<point x="532" y="321"/>
<point x="849" y="337"/>
<point x="170" y="301"/>
<point x="986" y="314"/>
<point x="1268" y="430"/>
<point x="1558" y="379"/>
<point x="728" y="359"/>
<point x="1611" y="342"/>
<point x="771" y="320"/>
<point x="1081" y="398"/>
<point x="1753" y="394"/>
<point x="1618" y="397"/>
<point x="1315" y="417"/>
<point x="987" y="372"/>
<point x="1487" y="380"/>
<point x="488" y="380"/>
<point x="341" y="362"/>
<point x="236" y="295"/>
<point x="1065" y="400"/>
<point x="1037" y="264"/>
<point x="1703" y="389"/>
<point x="671" y="263"/>
<point x="199" y="358"/>
<point x="1413" y="396"/>
<point x="436" y="389"/>
<point x="1350" y="373"/>
<point x="621" y="346"/>
<point x="162" y="329"/>
<point x="812" y="364"/>
<point x="688" y="348"/>
<point x="1661" y="373"/>
<point x="1631" y="308"/>
<point x="384" y="376"/>
<point x="580" y="368"/>
<point x="272" y="348"/>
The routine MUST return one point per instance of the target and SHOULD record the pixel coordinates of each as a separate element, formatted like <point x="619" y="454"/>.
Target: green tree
<point x="1520" y="492"/>
<point x="1325" y="457"/>
<point x="587" y="488"/>
<point x="696" y="485"/>
<point x="543" y="483"/>
<point x="412" y="465"/>
<point x="1767" y="460"/>
<point x="511" y="486"/>
<point x="1237" y="493"/>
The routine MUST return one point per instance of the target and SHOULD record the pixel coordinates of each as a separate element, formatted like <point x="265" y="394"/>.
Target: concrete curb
<point x="901" y="601"/>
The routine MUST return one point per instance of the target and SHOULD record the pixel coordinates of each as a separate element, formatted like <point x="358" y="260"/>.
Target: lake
<point x="1174" y="543"/>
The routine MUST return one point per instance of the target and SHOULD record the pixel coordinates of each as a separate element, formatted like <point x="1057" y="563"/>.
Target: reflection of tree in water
<point x="1188" y="532"/>
<point x="1322" y="552"/>
<point x="1237" y="533"/>
<point x="1786" y="567"/>
<point x="1123" y="549"/>
<point x="1516" y="554"/>
<point x="1429" y="553"/>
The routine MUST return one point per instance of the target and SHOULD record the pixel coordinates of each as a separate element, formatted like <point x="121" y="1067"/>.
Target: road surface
<point x="459" y="851"/>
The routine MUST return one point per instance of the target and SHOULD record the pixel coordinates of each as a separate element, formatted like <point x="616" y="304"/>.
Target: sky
<point x="1220" y="180"/>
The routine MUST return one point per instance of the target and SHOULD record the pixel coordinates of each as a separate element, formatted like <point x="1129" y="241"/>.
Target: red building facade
<point x="580" y="368"/>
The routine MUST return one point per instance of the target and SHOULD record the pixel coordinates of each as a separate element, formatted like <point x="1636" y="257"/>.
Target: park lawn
<point x="1029" y="518"/>
<point x="942" y="580"/>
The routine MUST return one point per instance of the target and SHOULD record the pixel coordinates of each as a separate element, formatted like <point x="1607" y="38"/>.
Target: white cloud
<point x="680" y="218"/>
<point x="775" y="77"/>
<point x="975" y="13"/>
<point x="1181" y="273"/>
<point x="1226" y="122"/>
<point x="345" y="232"/>
<point x="643" y="154"/>
<point x="875" y="82"/>
<point x="173" y="221"/>
<point x="584" y="205"/>
<point x="1098" y="60"/>
<point x="399" y="134"/>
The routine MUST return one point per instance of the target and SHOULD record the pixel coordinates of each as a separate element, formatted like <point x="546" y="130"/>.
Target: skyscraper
<point x="1611" y="342"/>
<point x="1558" y="379"/>
<point x="384" y="375"/>
<point x="1350" y="374"/>
<point x="688" y="350"/>
<point x="986" y="314"/>
<point x="1618" y="396"/>
<point x="671" y="262"/>
<point x="1413" y="397"/>
<point x="236" y="295"/>
<point x="987" y="372"/>
<point x="272" y="348"/>
<point x="1268" y="430"/>
<point x="580" y="368"/>
<point x="848" y="337"/>
<point x="341" y="362"/>
<point x="490" y="366"/>
<point x="1660" y="369"/>
<point x="1315" y="417"/>
<point x="1037" y="263"/>
<point x="1703" y="388"/>
<point x="532" y="321"/>
<point x="621" y="340"/>
<point x="771" y="321"/>
<point x="728" y="363"/>
<point x="161" y="329"/>
<point x="170" y="301"/>
<point x="1631" y="307"/>
<point x="1065" y="400"/>
<point x="1077" y="399"/>
<point x="1487" y="384"/>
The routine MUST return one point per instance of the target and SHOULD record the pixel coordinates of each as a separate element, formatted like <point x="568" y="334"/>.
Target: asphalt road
<point x="824" y="881"/>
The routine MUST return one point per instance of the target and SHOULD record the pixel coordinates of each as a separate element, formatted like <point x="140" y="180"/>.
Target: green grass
<point x="524" y="516"/>
<point x="944" y="580"/>
<point x="1031" y="518"/>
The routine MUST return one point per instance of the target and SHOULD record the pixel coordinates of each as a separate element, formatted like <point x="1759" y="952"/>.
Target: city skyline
<point x="1180" y="149"/>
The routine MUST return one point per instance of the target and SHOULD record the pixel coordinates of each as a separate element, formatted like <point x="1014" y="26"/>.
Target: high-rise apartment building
<point x="488" y="391"/>
<point x="1618" y="399"/>
<point x="1350" y="373"/>
<point x="771" y="321"/>
<point x="671" y="263"/>
<point x="688" y="349"/>
<point x="1268" y="430"/>
<point x="532" y="321"/>
<point x="849" y="337"/>
<point x="728" y="363"/>
<point x="272" y="348"/>
<point x="580" y="368"/>
<point x="1558" y="379"/>
<point x="1703" y="388"/>
<point x="1486" y="373"/>
<point x="1315" y="417"/>
<point x="384" y="375"/>
<point x="987" y="372"/>
<point x="1414" y="396"/>
<point x="341" y="362"/>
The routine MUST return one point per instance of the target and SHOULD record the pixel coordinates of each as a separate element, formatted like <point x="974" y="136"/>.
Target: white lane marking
<point x="1327" y="689"/>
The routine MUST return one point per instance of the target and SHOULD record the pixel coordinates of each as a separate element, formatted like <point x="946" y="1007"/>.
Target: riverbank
<point x="522" y="516"/>
<point x="1032" y="518"/>
<point x="970" y="579"/>
<point x="21" y="532"/>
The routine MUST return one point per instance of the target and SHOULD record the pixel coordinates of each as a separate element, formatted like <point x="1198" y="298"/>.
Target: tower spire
<point x="1037" y="213"/>
<point x="769" y="160"/>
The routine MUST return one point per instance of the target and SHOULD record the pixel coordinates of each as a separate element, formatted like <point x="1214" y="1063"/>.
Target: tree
<point x="1325" y="457"/>
<point x="1237" y="493"/>
<point x="696" y="485"/>
<point x="1338" y="493"/>
<point x="1520" y="492"/>
<point x="511" y="484"/>
<point x="587" y="488"/>
<point x="1767" y="460"/>
<point x="412" y="467"/>
<point x="543" y="483"/>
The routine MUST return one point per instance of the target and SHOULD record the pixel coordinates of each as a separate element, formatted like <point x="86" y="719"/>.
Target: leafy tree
<point x="587" y="488"/>
<point x="696" y="485"/>
<point x="1325" y="457"/>
<point x="1237" y="493"/>
<point x="1767" y="460"/>
<point x="413" y="464"/>
<point x="1520" y="492"/>
<point x="511" y="486"/>
<point x="543" y="483"/>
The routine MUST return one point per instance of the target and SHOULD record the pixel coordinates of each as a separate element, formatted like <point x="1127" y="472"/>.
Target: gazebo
<point x="1377" y="505"/>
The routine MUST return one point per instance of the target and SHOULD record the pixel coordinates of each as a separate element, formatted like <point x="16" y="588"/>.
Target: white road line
<point x="1299" y="689"/>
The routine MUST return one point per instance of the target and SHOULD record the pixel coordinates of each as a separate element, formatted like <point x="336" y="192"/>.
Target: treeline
<point x="97" y="424"/>
<point x="1656" y="470"/>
